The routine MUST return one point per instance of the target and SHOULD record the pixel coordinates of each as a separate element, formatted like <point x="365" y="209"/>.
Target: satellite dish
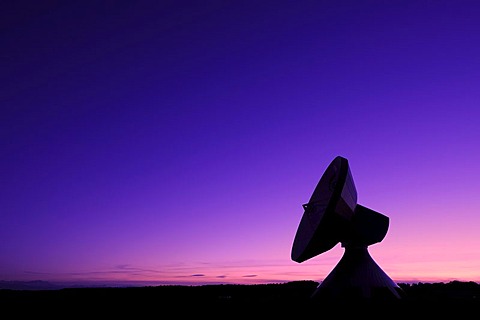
<point x="333" y="216"/>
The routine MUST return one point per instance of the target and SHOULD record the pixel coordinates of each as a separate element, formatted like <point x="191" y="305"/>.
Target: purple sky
<point x="176" y="141"/>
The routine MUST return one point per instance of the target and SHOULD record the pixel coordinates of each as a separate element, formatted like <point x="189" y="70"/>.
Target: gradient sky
<point x="176" y="141"/>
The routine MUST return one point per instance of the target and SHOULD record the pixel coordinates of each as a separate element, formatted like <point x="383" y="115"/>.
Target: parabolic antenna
<point x="333" y="216"/>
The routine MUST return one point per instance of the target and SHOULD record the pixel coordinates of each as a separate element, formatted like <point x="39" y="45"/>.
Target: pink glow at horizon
<point x="176" y="143"/>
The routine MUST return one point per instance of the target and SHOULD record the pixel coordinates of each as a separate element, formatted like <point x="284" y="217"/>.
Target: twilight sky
<point x="176" y="141"/>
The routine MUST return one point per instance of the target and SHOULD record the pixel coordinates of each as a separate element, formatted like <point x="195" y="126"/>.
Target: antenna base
<point x="357" y="276"/>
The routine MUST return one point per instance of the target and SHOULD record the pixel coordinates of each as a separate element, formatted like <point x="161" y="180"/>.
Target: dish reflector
<point x="327" y="214"/>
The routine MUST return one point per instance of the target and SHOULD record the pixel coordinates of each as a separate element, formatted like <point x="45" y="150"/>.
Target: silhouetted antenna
<point x="332" y="215"/>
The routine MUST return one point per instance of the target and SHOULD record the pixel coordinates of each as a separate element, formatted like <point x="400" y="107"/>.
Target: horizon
<point x="177" y="141"/>
<point x="52" y="285"/>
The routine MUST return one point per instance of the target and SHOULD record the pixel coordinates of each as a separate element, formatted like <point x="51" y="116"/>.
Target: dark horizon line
<point x="56" y="285"/>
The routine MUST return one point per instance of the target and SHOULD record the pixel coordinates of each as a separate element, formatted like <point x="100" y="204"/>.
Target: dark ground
<point x="460" y="300"/>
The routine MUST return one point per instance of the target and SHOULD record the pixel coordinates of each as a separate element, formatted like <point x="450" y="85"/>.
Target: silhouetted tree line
<point x="292" y="298"/>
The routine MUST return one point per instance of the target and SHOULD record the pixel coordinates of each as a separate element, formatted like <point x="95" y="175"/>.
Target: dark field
<point x="460" y="300"/>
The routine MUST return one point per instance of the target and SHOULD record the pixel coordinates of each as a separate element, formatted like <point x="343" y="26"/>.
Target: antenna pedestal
<point x="357" y="276"/>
